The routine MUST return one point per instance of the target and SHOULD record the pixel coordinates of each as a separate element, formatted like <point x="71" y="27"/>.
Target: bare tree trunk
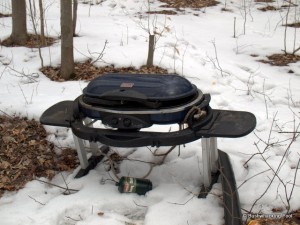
<point x="43" y="40"/>
<point x="75" y="6"/>
<point x="19" y="27"/>
<point x="67" y="57"/>
<point x="151" y="49"/>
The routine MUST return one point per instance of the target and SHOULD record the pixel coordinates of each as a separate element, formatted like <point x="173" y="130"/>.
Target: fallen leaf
<point x="8" y="139"/>
<point x="32" y="142"/>
<point x="4" y="165"/>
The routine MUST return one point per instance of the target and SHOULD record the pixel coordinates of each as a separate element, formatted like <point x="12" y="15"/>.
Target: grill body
<point x="135" y="101"/>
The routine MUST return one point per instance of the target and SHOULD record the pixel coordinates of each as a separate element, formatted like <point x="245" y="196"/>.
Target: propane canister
<point x="134" y="185"/>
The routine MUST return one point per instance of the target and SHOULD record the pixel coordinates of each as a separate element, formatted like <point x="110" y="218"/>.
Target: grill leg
<point x="210" y="166"/>
<point x="213" y="154"/>
<point x="88" y="164"/>
<point x="93" y="145"/>
<point x="206" y="161"/>
<point x="79" y="144"/>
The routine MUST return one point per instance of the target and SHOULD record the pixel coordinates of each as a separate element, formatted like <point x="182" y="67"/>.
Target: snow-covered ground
<point x="189" y="46"/>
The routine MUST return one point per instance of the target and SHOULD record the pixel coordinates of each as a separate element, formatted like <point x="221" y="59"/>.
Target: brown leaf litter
<point x="34" y="41"/>
<point x="281" y="59"/>
<point x="25" y="154"/>
<point x="88" y="71"/>
<point x="189" y="3"/>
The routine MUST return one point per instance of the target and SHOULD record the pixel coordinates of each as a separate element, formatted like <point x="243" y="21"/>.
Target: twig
<point x="252" y="177"/>
<point x="266" y="104"/>
<point x="74" y="219"/>
<point x="175" y="203"/>
<point x="294" y="183"/>
<point x="100" y="55"/>
<point x="32" y="16"/>
<point x="65" y="184"/>
<point x="6" y="114"/>
<point x="30" y="77"/>
<point x="139" y="204"/>
<point x="23" y="95"/>
<point x="266" y="190"/>
<point x="217" y="63"/>
<point x="36" y="200"/>
<point x="290" y="2"/>
<point x="164" y="154"/>
<point x="138" y="160"/>
<point x="66" y="189"/>
<point x="290" y="94"/>
<point x="183" y="55"/>
<point x="267" y="143"/>
<point x="287" y="198"/>
<point x="234" y="25"/>
<point x="288" y="132"/>
<point x="296" y="50"/>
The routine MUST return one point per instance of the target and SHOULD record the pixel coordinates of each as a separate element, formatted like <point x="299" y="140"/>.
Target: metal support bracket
<point x="85" y="163"/>
<point x="81" y="152"/>
<point x="93" y="145"/>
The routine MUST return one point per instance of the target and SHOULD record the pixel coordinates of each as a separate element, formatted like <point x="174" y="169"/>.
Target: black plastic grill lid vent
<point x="149" y="86"/>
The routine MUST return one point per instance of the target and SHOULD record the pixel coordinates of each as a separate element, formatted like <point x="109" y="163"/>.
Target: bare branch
<point x="55" y="185"/>
<point x="36" y="200"/>
<point x="100" y="55"/>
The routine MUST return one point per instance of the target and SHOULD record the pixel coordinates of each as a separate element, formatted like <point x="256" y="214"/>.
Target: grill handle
<point x="122" y="97"/>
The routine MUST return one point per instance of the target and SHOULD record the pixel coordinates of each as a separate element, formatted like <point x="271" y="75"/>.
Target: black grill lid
<point x="149" y="87"/>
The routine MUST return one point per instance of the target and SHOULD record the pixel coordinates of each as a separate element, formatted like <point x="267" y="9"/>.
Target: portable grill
<point x="139" y="101"/>
<point x="128" y="103"/>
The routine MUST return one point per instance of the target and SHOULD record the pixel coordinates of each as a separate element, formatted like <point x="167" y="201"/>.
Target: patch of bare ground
<point x="189" y="3"/>
<point x="4" y="15"/>
<point x="226" y="10"/>
<point x="87" y="71"/>
<point x="34" y="41"/>
<point x="264" y="1"/>
<point x="281" y="59"/>
<point x="289" y="5"/>
<point x="294" y="25"/>
<point x="165" y="12"/>
<point x="26" y="154"/>
<point x="268" y="8"/>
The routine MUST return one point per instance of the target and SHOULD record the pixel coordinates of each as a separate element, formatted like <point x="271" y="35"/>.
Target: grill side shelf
<point x="228" y="124"/>
<point x="60" y="114"/>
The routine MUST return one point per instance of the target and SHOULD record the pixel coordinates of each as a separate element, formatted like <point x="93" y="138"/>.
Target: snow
<point x="270" y="92"/>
